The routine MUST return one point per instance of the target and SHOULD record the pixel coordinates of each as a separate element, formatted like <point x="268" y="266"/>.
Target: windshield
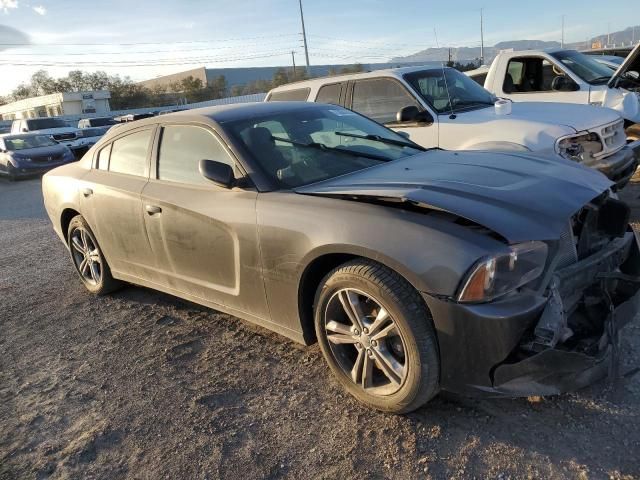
<point x="584" y="66"/>
<point x="463" y="92"/>
<point x="303" y="146"/>
<point x="45" y="123"/>
<point x="31" y="141"/>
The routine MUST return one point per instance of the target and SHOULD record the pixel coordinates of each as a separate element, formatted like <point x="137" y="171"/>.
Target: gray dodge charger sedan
<point x="416" y="271"/>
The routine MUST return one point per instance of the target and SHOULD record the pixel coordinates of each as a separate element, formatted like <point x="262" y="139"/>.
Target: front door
<point x="382" y="98"/>
<point x="538" y="79"/>
<point x="204" y="236"/>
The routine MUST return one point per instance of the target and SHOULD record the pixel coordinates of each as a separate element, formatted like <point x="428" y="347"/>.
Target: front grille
<point x="64" y="136"/>
<point x="47" y="159"/>
<point x="613" y="136"/>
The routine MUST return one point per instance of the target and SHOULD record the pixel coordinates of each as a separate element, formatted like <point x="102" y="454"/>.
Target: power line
<point x="150" y="43"/>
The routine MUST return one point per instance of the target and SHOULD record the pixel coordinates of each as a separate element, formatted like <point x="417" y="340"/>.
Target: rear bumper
<point x="484" y="348"/>
<point x="620" y="166"/>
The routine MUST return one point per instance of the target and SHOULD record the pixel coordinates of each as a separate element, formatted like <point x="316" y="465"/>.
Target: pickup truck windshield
<point x="300" y="147"/>
<point x="46" y="123"/>
<point x="584" y="66"/>
<point x="463" y="92"/>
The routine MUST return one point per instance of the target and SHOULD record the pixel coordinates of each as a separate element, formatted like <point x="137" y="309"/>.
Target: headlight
<point x="580" y="148"/>
<point x="500" y="274"/>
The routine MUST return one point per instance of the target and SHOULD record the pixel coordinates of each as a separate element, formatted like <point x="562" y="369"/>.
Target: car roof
<point x="387" y="72"/>
<point x="231" y="112"/>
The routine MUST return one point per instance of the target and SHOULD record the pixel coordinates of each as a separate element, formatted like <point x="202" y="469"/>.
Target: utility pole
<point x="608" y="34"/>
<point x="449" y="56"/>
<point x="562" y="39"/>
<point x="304" y="39"/>
<point x="481" y="39"/>
<point x="293" y="60"/>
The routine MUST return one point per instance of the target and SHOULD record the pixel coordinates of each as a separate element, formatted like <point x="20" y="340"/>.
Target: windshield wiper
<point x="324" y="148"/>
<point x="378" y="138"/>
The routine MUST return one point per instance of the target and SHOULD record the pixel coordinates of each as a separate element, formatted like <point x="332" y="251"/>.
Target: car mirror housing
<point x="219" y="173"/>
<point x="412" y="114"/>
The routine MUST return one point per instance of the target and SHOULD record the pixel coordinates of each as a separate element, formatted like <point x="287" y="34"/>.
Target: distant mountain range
<point x="468" y="54"/>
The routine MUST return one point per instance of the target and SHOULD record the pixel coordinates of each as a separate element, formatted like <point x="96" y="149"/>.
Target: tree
<point x="280" y="77"/>
<point x="218" y="87"/>
<point x="42" y="83"/>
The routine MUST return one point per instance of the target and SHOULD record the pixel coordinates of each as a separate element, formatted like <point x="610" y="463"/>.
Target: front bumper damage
<point x="529" y="344"/>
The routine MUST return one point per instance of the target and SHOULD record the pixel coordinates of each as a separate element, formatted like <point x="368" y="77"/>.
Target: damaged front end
<point x="591" y="289"/>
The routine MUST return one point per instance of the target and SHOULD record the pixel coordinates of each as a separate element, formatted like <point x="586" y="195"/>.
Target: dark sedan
<point x="31" y="154"/>
<point x="416" y="271"/>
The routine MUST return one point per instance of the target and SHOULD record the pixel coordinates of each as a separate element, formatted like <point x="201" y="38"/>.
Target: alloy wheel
<point x="86" y="256"/>
<point x="365" y="341"/>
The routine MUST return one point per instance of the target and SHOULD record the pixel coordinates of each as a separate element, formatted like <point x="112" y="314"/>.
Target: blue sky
<point x="144" y="39"/>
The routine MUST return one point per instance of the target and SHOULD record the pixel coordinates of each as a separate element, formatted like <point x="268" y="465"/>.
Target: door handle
<point x="87" y="192"/>
<point x="153" y="209"/>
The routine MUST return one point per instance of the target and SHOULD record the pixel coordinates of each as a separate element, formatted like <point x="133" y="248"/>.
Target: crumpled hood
<point x="519" y="196"/>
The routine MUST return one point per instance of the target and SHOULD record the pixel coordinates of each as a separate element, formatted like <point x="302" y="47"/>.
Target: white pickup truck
<point x="441" y="107"/>
<point x="57" y="129"/>
<point x="566" y="76"/>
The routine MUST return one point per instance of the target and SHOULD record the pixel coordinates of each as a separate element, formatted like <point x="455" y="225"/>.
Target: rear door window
<point x="329" y="94"/>
<point x="129" y="154"/>
<point x="381" y="98"/>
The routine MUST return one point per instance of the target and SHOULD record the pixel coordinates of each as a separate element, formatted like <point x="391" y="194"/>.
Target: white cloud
<point x="6" y="5"/>
<point x="40" y="10"/>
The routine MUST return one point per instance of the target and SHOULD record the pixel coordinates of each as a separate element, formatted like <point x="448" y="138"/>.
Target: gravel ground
<point x="143" y="385"/>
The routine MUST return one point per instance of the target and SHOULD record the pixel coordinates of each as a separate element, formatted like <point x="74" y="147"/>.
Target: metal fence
<point x="256" y="97"/>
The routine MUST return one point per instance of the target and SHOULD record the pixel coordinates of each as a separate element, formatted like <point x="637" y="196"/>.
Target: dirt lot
<point x="142" y="385"/>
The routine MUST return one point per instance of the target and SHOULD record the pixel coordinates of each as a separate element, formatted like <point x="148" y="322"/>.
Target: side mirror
<point x="219" y="173"/>
<point x="633" y="74"/>
<point x="564" y="84"/>
<point x="412" y="114"/>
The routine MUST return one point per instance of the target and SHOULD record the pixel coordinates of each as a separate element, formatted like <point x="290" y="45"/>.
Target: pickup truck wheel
<point x="88" y="259"/>
<point x="377" y="336"/>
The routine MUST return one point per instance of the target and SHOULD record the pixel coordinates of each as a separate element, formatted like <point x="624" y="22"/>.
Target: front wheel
<point x="377" y="336"/>
<point x="88" y="258"/>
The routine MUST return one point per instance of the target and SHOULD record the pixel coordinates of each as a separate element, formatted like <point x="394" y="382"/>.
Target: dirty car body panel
<point x="256" y="249"/>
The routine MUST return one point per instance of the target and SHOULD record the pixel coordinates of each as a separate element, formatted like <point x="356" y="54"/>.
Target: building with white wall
<point x="59" y="104"/>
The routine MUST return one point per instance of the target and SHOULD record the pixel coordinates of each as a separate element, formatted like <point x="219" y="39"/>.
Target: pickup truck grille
<point x="64" y="136"/>
<point x="613" y="136"/>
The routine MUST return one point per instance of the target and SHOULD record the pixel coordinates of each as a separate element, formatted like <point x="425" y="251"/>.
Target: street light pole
<point x="293" y="60"/>
<point x="481" y="40"/>
<point x="562" y="39"/>
<point x="304" y="39"/>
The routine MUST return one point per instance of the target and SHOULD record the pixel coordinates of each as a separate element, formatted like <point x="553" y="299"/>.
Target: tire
<point x="395" y="373"/>
<point x="83" y="247"/>
<point x="633" y="132"/>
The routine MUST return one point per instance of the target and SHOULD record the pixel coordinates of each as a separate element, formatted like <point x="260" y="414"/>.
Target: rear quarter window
<point x="329" y="94"/>
<point x="129" y="153"/>
<point x="296" y="95"/>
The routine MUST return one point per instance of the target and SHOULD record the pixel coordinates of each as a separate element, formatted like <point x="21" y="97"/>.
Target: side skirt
<point x="294" y="335"/>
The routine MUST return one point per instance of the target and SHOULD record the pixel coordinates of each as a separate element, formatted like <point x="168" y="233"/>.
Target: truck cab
<point x="565" y="76"/>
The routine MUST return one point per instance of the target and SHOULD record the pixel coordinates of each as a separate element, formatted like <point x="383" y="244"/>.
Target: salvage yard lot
<point x="143" y="385"/>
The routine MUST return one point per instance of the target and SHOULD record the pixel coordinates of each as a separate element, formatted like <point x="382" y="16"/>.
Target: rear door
<point x="111" y="202"/>
<point x="203" y="235"/>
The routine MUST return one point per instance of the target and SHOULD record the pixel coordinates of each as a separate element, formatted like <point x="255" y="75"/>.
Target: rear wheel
<point x="88" y="259"/>
<point x="377" y="336"/>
